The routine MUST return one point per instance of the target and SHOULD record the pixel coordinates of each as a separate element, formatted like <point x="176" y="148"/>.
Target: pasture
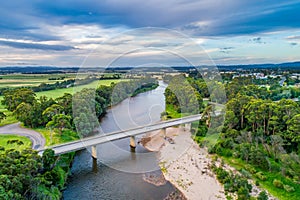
<point x="19" y="142"/>
<point x="59" y="92"/>
<point x="19" y="80"/>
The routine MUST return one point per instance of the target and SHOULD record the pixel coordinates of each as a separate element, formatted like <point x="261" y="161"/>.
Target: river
<point x="120" y="172"/>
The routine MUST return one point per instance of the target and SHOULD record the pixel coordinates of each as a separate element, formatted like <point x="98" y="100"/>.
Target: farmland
<point x="25" y="80"/>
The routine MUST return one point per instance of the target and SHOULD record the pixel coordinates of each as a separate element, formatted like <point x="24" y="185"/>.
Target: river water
<point x="120" y="172"/>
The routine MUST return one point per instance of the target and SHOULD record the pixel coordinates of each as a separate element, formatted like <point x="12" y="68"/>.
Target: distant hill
<point x="288" y="65"/>
<point x="36" y="69"/>
<point x="51" y="69"/>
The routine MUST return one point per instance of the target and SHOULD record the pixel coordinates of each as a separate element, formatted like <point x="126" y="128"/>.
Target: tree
<point x="183" y="96"/>
<point x="83" y="125"/>
<point x="48" y="159"/>
<point x="54" y="109"/>
<point x="60" y="121"/>
<point x="23" y="113"/>
<point x="262" y="196"/>
<point x="294" y="129"/>
<point x="23" y="176"/>
<point x="65" y="101"/>
<point x="12" y="98"/>
<point x="2" y="116"/>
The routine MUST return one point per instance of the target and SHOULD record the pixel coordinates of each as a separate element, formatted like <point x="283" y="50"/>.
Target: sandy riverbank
<point x="184" y="164"/>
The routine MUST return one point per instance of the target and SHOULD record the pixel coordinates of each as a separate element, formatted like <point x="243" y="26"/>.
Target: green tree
<point x="54" y="109"/>
<point x="2" y="116"/>
<point x="12" y="98"/>
<point x="294" y="129"/>
<point x="262" y="196"/>
<point x="48" y="159"/>
<point x="60" y="122"/>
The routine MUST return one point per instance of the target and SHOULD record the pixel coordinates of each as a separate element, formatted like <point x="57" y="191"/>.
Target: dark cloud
<point x="226" y="49"/>
<point x="232" y="17"/>
<point x="24" y="45"/>
<point x="257" y="40"/>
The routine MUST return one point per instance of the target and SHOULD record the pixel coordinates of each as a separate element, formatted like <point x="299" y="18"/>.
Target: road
<point x="100" y="139"/>
<point x="38" y="141"/>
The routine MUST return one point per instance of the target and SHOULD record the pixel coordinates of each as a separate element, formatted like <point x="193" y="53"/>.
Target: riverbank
<point x="185" y="164"/>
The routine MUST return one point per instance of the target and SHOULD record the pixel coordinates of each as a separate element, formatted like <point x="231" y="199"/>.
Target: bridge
<point x="93" y="141"/>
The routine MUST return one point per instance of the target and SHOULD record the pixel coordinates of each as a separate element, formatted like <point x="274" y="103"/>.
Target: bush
<point x="288" y="188"/>
<point x="261" y="176"/>
<point x="275" y="167"/>
<point x="250" y="169"/>
<point x="243" y="193"/>
<point x="277" y="183"/>
<point x="262" y="196"/>
<point x="256" y="183"/>
<point x="245" y="173"/>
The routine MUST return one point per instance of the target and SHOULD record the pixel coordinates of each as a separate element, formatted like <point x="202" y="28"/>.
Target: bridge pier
<point x="132" y="143"/>
<point x="164" y="132"/>
<point x="94" y="152"/>
<point x="187" y="127"/>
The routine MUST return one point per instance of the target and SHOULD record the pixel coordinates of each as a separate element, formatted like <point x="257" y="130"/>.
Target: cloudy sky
<point x="152" y="32"/>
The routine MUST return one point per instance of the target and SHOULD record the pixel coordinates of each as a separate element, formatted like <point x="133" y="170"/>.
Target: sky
<point x="93" y="33"/>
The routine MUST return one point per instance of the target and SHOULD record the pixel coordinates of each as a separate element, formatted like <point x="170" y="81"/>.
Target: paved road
<point x="99" y="139"/>
<point x="38" y="141"/>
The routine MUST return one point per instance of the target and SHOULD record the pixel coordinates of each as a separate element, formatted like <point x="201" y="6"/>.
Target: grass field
<point x="18" y="80"/>
<point x="10" y="119"/>
<point x="5" y="138"/>
<point x="59" y="92"/>
<point x="55" y="138"/>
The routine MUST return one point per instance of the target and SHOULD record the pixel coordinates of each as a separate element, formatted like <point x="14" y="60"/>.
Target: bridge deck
<point x="103" y="138"/>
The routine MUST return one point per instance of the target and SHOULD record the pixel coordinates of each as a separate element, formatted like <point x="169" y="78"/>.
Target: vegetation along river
<point x="120" y="173"/>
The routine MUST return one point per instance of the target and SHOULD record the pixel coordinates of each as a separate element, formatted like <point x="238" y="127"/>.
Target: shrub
<point x="256" y="183"/>
<point x="243" y="193"/>
<point x="261" y="176"/>
<point x="288" y="188"/>
<point x="275" y="167"/>
<point x="250" y="169"/>
<point x="245" y="173"/>
<point x="262" y="196"/>
<point x="277" y="183"/>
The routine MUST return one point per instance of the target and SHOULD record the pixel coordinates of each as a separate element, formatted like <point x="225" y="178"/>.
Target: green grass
<point x="66" y="136"/>
<point x="18" y="80"/>
<point x="5" y="138"/>
<point x="59" y="92"/>
<point x="172" y="112"/>
<point x="205" y="102"/>
<point x="10" y="119"/>
<point x="268" y="183"/>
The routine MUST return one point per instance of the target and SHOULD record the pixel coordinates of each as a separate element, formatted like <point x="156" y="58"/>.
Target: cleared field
<point x="5" y="138"/>
<point x="59" y="92"/>
<point x="18" y="80"/>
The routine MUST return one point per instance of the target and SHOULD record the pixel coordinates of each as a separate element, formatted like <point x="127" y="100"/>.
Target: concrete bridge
<point x="93" y="141"/>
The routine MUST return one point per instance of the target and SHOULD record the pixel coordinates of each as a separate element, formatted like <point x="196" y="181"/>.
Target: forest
<point x="259" y="136"/>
